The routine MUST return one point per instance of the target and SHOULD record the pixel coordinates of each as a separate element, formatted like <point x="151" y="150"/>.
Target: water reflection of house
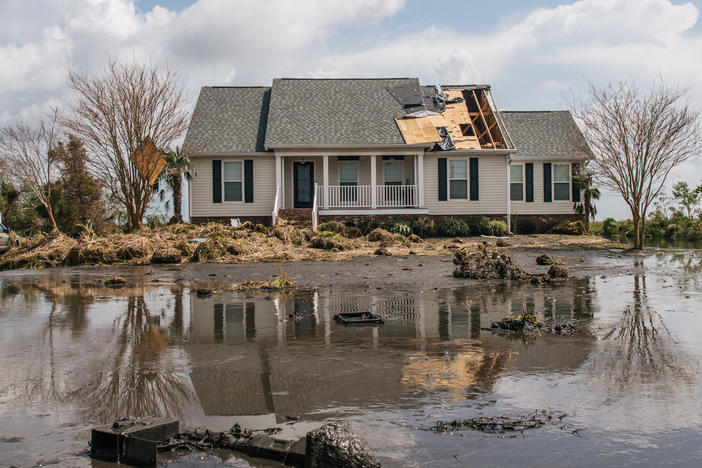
<point x="286" y="355"/>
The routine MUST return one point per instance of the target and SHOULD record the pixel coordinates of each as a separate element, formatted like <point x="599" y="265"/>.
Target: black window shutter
<point x="575" y="187"/>
<point x="529" y="169"/>
<point x="216" y="181"/>
<point x="474" y="192"/>
<point x="547" y="182"/>
<point x="443" y="194"/>
<point x="248" y="181"/>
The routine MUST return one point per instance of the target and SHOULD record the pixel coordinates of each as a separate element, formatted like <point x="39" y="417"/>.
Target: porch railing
<point x="361" y="196"/>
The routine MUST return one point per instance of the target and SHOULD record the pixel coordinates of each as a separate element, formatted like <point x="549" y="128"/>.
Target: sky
<point x="536" y="55"/>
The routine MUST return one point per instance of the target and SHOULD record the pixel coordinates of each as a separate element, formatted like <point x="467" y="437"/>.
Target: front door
<point x="303" y="181"/>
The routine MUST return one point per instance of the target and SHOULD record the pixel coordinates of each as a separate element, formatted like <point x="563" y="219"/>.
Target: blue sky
<point x="536" y="55"/>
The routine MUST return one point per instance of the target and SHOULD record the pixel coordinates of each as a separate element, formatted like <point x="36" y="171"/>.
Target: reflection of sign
<point x="148" y="160"/>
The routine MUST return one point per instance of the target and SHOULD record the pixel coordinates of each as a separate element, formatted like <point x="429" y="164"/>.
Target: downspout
<point x="509" y="203"/>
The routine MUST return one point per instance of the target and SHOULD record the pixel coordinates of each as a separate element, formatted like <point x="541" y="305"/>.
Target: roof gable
<point x="334" y="112"/>
<point x="229" y="120"/>
<point x="545" y="134"/>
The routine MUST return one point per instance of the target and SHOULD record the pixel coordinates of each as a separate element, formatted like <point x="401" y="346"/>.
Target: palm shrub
<point x="398" y="226"/>
<point x="423" y="226"/>
<point x="497" y="228"/>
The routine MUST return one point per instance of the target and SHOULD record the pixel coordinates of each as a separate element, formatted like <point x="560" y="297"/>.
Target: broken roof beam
<point x="482" y="116"/>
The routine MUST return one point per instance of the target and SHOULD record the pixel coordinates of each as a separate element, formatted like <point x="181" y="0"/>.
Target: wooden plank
<point x="420" y="130"/>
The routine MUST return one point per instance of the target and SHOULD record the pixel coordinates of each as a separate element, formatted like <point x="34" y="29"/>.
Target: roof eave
<point x="399" y="146"/>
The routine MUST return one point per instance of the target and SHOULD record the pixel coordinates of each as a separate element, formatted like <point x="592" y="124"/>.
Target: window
<point x="561" y="182"/>
<point x="516" y="182"/>
<point x="348" y="174"/>
<point x="233" y="186"/>
<point x="458" y="179"/>
<point x="348" y="177"/>
<point x="393" y="172"/>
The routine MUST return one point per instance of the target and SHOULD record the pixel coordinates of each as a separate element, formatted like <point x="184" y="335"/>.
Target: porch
<point x="344" y="184"/>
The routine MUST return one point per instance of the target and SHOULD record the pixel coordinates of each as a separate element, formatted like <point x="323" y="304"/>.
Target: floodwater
<point x="73" y="355"/>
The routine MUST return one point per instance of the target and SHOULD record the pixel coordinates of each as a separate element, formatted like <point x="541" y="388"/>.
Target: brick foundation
<point x="265" y="220"/>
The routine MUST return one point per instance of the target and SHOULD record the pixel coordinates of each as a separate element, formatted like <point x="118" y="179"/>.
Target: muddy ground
<point x="410" y="270"/>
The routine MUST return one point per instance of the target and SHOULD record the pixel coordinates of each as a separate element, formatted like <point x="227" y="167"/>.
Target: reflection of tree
<point x="140" y="380"/>
<point x="643" y="350"/>
<point x="137" y="375"/>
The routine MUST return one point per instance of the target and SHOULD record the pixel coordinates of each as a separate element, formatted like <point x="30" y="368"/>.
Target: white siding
<point x="492" y="184"/>
<point x="264" y="189"/>
<point x="539" y="207"/>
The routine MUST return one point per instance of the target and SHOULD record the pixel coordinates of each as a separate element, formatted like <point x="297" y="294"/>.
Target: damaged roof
<point x="545" y="135"/>
<point x="335" y="112"/>
<point x="229" y="120"/>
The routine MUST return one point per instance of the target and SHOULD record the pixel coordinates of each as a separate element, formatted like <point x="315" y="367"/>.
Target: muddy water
<point x="74" y="354"/>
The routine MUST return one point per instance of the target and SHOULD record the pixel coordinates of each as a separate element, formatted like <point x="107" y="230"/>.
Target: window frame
<point x="522" y="183"/>
<point x="553" y="181"/>
<point x="449" y="179"/>
<point x="224" y="181"/>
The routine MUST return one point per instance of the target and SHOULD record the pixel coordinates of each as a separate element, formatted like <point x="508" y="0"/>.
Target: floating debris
<point x="279" y="283"/>
<point x="501" y="424"/>
<point x="528" y="324"/>
<point x="358" y="318"/>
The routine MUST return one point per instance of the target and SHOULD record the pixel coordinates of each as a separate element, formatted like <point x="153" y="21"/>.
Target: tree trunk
<point x="638" y="244"/>
<point x="586" y="203"/>
<point x="50" y="212"/>
<point x="177" y="197"/>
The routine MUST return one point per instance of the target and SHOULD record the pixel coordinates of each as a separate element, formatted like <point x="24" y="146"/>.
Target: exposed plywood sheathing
<point x="418" y="130"/>
<point x="148" y="160"/>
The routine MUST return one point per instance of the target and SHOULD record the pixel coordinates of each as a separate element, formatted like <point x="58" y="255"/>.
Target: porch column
<point x="374" y="201"/>
<point x="420" y="178"/>
<point x="509" y="202"/>
<point x="325" y="177"/>
<point x="278" y="177"/>
<point x="282" y="182"/>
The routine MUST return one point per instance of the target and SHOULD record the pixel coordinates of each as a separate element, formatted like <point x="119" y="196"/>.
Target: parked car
<point x="4" y="238"/>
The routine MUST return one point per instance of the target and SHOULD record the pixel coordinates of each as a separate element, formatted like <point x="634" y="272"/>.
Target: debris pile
<point x="334" y="444"/>
<point x="486" y="262"/>
<point x="558" y="270"/>
<point x="502" y="424"/>
<point x="545" y="259"/>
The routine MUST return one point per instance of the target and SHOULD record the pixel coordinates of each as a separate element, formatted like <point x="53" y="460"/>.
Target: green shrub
<point x="453" y="227"/>
<point x="423" y="226"/>
<point x="397" y="226"/>
<point x="571" y="228"/>
<point x="610" y="227"/>
<point x="353" y="232"/>
<point x="332" y="226"/>
<point x="527" y="226"/>
<point x="497" y="228"/>
<point x="368" y="225"/>
<point x="484" y="226"/>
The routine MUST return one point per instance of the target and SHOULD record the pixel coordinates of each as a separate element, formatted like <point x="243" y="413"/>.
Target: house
<point x="352" y="148"/>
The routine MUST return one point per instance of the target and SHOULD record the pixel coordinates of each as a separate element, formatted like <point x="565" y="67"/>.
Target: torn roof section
<point x="451" y="117"/>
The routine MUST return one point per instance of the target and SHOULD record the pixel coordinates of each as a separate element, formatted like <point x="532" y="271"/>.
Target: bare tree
<point x="27" y="157"/>
<point x="118" y="111"/>
<point x="637" y="138"/>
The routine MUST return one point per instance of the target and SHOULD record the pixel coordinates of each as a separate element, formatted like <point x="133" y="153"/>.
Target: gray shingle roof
<point x="334" y="111"/>
<point x="545" y="135"/>
<point x="229" y="119"/>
